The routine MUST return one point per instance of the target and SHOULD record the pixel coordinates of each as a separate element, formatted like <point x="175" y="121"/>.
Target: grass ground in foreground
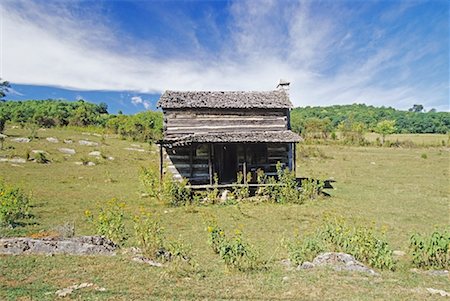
<point x="397" y="189"/>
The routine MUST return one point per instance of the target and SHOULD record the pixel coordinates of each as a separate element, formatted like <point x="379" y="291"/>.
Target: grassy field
<point x="418" y="139"/>
<point x="401" y="190"/>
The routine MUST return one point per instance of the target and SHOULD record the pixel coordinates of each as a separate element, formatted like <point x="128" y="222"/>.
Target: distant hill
<point x="406" y="121"/>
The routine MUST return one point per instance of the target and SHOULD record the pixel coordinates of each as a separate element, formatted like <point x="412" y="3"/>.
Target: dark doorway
<point x="226" y="162"/>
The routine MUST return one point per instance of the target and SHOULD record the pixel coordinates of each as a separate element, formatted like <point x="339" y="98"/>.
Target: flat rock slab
<point x="14" y="160"/>
<point x="52" y="140"/>
<point x="95" y="154"/>
<point x="88" y="143"/>
<point x="21" y="140"/>
<point x="135" y="149"/>
<point x="81" y="245"/>
<point x="338" y="261"/>
<point x="68" y="151"/>
<point x="68" y="141"/>
<point x="434" y="291"/>
<point x="142" y="259"/>
<point x="38" y="151"/>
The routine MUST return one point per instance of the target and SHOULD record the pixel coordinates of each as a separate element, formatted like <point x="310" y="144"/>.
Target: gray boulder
<point x="338" y="262"/>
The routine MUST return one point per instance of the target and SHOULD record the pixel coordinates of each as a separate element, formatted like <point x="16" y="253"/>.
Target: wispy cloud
<point x="137" y="100"/>
<point x="328" y="59"/>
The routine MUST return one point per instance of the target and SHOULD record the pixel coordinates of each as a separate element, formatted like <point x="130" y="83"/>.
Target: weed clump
<point x="235" y="252"/>
<point x="109" y="222"/>
<point x="364" y="243"/>
<point x="14" y="204"/>
<point x="432" y="251"/>
<point x="149" y="235"/>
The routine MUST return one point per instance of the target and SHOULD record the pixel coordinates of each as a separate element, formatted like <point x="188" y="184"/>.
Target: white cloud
<point x="45" y="46"/>
<point x="137" y="100"/>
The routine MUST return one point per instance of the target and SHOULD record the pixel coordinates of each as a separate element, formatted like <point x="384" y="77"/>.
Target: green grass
<point x="418" y="139"/>
<point x="394" y="188"/>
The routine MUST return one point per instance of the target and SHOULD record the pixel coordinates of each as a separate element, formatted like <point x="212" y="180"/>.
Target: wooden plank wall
<point x="181" y="157"/>
<point x="182" y="122"/>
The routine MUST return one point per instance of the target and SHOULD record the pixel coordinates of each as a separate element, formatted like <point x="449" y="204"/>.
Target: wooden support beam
<point x="161" y="159"/>
<point x="210" y="167"/>
<point x="244" y="166"/>
<point x="191" y="159"/>
<point x="293" y="159"/>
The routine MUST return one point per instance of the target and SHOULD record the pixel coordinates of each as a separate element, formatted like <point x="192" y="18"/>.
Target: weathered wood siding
<point x="182" y="122"/>
<point x="191" y="162"/>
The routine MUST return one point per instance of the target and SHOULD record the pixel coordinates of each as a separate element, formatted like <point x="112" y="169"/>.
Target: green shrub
<point x="432" y="251"/>
<point x="336" y="235"/>
<point x="241" y="190"/>
<point x="211" y="196"/>
<point x="424" y="156"/>
<point x="311" y="189"/>
<point x="149" y="178"/>
<point x="14" y="204"/>
<point x="149" y="234"/>
<point x="216" y="236"/>
<point x="176" y="193"/>
<point x="235" y="252"/>
<point x="109" y="222"/>
<point x="361" y="242"/>
<point x="306" y="249"/>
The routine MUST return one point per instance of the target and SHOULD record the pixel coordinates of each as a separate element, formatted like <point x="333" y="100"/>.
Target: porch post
<point x="293" y="159"/>
<point x="160" y="162"/>
<point x="244" y="166"/>
<point x="210" y="164"/>
<point x="191" y="170"/>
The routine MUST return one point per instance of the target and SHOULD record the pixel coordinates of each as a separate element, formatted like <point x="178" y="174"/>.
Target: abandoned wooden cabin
<point x="212" y="133"/>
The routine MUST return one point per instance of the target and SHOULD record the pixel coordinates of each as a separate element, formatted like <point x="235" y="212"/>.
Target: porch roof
<point x="235" y="137"/>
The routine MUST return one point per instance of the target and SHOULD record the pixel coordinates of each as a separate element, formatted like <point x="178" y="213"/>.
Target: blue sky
<point x="126" y="53"/>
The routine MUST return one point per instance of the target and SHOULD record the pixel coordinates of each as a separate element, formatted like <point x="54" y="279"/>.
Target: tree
<point x="384" y="128"/>
<point x="4" y="88"/>
<point x="416" y="108"/>
<point x="102" y="108"/>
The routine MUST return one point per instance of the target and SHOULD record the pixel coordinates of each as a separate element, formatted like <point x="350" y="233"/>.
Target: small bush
<point x="432" y="251"/>
<point x="424" y="156"/>
<point x="109" y="222"/>
<point x="301" y="250"/>
<point x="149" y="178"/>
<point x="149" y="234"/>
<point x="361" y="242"/>
<point x="176" y="193"/>
<point x="14" y="204"/>
<point x="241" y="190"/>
<point x="336" y="235"/>
<point x="235" y="252"/>
<point x="311" y="189"/>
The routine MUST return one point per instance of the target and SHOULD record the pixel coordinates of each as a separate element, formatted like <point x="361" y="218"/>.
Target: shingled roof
<point x="277" y="99"/>
<point x="236" y="137"/>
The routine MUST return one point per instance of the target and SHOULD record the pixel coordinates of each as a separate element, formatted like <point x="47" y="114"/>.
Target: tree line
<point x="143" y="126"/>
<point x="322" y="122"/>
<point x="311" y="122"/>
